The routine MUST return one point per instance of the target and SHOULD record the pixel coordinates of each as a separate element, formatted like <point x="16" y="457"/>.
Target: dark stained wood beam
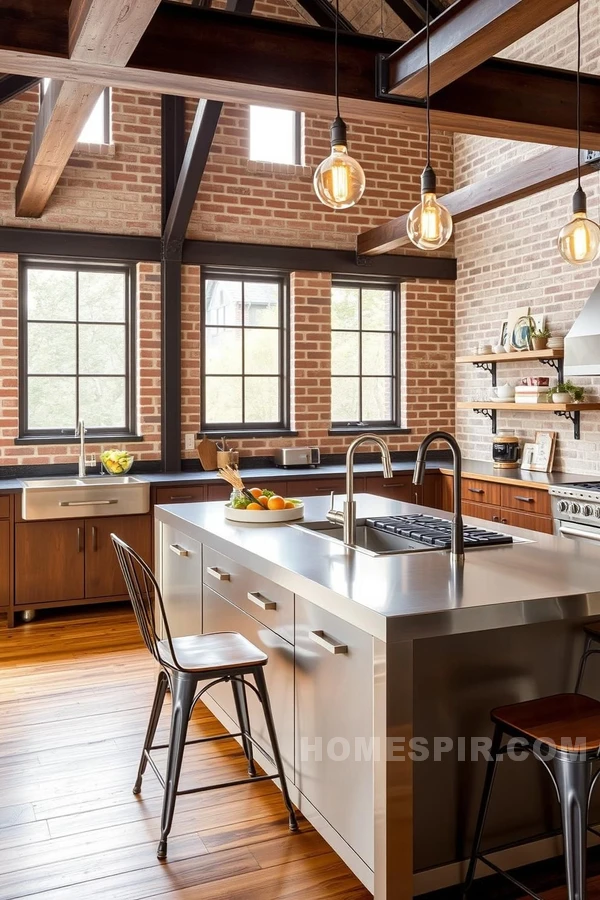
<point x="323" y="12"/>
<point x="252" y="59"/>
<point x="13" y="85"/>
<point x="100" y="32"/>
<point x="524" y="179"/>
<point x="463" y="36"/>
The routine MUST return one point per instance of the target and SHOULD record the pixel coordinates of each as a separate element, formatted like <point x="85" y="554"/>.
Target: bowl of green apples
<point x="116" y="462"/>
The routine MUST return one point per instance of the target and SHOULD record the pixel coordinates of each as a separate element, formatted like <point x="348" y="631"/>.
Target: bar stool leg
<point x="483" y="808"/>
<point x="241" y="706"/>
<point x="183" y="689"/>
<point x="583" y="662"/>
<point x="261" y="684"/>
<point x="574" y="776"/>
<point x="157" y="705"/>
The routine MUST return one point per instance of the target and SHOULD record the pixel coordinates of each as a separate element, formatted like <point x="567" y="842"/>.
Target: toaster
<point x="288" y="457"/>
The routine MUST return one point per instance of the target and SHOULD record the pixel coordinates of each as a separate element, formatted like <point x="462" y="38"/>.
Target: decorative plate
<point x="520" y="338"/>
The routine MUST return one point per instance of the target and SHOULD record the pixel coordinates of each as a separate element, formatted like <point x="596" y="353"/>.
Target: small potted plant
<point x="539" y="338"/>
<point x="566" y="392"/>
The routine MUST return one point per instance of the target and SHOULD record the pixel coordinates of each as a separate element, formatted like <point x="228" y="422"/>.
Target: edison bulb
<point x="339" y="181"/>
<point x="429" y="223"/>
<point x="579" y="241"/>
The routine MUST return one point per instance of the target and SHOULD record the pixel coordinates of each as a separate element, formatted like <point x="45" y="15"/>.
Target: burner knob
<point x="575" y="508"/>
<point x="563" y="506"/>
<point x="588" y="510"/>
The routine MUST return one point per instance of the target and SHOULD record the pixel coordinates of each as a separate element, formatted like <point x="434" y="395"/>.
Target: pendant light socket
<point x="579" y="201"/>
<point x="428" y="181"/>
<point x="338" y="132"/>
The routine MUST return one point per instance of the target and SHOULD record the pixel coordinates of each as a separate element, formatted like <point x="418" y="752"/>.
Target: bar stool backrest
<point x="144" y="593"/>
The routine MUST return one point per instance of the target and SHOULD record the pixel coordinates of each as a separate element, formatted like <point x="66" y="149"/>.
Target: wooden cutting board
<point x="207" y="451"/>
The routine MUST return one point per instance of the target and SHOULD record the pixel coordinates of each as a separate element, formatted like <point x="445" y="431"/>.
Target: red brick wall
<point x="508" y="258"/>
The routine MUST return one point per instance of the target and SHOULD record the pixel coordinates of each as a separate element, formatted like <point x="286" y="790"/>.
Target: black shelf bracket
<point x="573" y="416"/>
<point x="488" y="367"/>
<point x="488" y="413"/>
<point x="557" y="364"/>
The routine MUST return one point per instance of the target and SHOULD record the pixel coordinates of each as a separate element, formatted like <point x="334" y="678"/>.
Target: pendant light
<point x="339" y="181"/>
<point x="429" y="224"/>
<point x="579" y="241"/>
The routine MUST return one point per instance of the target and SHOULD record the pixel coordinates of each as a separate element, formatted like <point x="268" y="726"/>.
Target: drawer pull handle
<point x="476" y="490"/>
<point x="220" y="576"/>
<point x="318" y="637"/>
<point x="323" y="490"/>
<point x="524" y="499"/>
<point x="255" y="597"/>
<point x="179" y="551"/>
<point x="181" y="497"/>
<point x="79" y="539"/>
<point x="94" y="538"/>
<point x="87" y="502"/>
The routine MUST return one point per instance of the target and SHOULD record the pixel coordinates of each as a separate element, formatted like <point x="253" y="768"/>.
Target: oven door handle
<point x="576" y="532"/>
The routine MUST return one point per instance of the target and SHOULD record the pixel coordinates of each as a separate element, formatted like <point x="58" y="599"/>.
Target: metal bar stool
<point x="565" y="728"/>
<point x="592" y="636"/>
<point x="185" y="662"/>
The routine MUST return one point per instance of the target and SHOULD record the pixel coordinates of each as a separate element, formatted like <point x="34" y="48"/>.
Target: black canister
<point x="505" y="451"/>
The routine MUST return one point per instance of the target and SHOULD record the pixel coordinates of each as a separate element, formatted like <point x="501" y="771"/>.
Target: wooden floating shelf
<point x="512" y="357"/>
<point x="529" y="407"/>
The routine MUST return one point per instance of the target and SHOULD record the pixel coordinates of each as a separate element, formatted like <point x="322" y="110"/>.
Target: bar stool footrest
<point x="508" y="876"/>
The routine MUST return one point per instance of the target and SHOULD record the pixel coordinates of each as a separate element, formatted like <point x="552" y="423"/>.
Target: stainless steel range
<point x="576" y="510"/>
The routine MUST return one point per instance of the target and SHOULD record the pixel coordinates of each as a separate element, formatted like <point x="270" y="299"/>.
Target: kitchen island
<point x="368" y="653"/>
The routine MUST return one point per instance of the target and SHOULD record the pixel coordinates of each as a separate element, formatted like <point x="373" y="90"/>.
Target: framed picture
<point x="539" y="321"/>
<point x="519" y="328"/>
<point x="503" y="336"/>
<point x="529" y="457"/>
<point x="545" y="441"/>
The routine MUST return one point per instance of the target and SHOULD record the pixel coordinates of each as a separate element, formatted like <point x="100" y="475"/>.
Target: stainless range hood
<point x="582" y="344"/>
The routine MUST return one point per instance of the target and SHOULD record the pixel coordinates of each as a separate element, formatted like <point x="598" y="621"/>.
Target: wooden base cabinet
<point x="334" y="723"/>
<point x="103" y="576"/>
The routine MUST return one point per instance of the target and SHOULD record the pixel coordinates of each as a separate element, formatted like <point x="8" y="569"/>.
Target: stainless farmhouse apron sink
<point x="70" y="498"/>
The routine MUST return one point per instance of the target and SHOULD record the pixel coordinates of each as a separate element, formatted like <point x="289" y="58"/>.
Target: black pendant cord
<point x="337" y="93"/>
<point x="428" y="85"/>
<point x="578" y="94"/>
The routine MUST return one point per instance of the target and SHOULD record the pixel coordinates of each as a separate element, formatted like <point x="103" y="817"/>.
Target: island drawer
<point x="526" y="499"/>
<point x="4" y="507"/>
<point x="476" y="491"/>
<point x="221" y="615"/>
<point x="481" y="511"/>
<point x="260" y="598"/>
<point x="196" y="493"/>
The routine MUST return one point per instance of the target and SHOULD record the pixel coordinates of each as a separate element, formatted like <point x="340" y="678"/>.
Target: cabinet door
<point x="446" y="492"/>
<point x="181" y="581"/>
<point x="182" y="494"/>
<point x="102" y="573"/>
<point x="221" y="615"/>
<point x="317" y="487"/>
<point x="4" y="563"/>
<point x="334" y="711"/>
<point x="525" y="520"/>
<point x="526" y="499"/>
<point x="400" y="487"/>
<point x="49" y="561"/>
<point x="481" y="511"/>
<point x="476" y="491"/>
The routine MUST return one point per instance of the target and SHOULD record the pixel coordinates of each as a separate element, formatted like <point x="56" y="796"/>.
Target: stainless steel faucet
<point x="80" y="433"/>
<point x="458" y="538"/>
<point x="347" y="518"/>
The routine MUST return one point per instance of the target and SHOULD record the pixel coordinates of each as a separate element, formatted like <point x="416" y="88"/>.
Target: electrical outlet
<point x="190" y="441"/>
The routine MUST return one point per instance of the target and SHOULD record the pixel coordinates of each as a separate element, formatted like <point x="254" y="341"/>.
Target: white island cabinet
<point x="180" y="578"/>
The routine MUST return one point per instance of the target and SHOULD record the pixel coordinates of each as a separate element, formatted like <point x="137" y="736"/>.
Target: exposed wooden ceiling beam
<point x="226" y="57"/>
<point x="465" y="35"/>
<point x="412" y="19"/>
<point x="102" y="32"/>
<point x="13" y="85"/>
<point x="525" y="178"/>
<point x="323" y="12"/>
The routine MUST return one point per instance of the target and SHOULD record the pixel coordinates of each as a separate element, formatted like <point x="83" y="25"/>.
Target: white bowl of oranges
<point x="268" y="507"/>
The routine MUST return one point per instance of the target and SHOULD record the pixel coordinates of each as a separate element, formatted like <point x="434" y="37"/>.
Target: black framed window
<point x="97" y="129"/>
<point x="77" y="349"/>
<point x="364" y="355"/>
<point x="245" y="352"/>
<point x="276" y="135"/>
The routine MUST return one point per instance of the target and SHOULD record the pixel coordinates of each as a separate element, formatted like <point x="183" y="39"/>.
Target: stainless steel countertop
<point x="415" y="595"/>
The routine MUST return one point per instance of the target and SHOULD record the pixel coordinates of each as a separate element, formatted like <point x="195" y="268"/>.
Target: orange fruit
<point x="255" y="506"/>
<point x="288" y="504"/>
<point x="276" y="502"/>
<point x="256" y="492"/>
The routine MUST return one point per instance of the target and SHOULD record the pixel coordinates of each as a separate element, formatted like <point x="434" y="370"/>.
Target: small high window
<point x="97" y="128"/>
<point x="275" y="135"/>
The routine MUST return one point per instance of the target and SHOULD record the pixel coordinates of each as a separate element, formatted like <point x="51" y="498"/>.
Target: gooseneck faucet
<point x="80" y="433"/>
<point x="458" y="538"/>
<point x="347" y="518"/>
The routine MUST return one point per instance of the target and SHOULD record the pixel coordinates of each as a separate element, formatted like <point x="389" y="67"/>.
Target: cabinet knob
<point x="220" y="576"/>
<point x="179" y="551"/>
<point x="320" y="638"/>
<point x="255" y="597"/>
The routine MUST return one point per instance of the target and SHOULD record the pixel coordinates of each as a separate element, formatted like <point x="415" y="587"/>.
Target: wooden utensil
<point x="207" y="452"/>
<point x="233" y="477"/>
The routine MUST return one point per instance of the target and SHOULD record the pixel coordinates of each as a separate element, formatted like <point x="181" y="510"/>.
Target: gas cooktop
<point x="437" y="532"/>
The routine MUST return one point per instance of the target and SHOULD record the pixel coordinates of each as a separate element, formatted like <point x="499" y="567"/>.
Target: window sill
<point x="71" y="439"/>
<point x="87" y="148"/>
<point x="255" y="433"/>
<point x="363" y="429"/>
<point x="264" y="167"/>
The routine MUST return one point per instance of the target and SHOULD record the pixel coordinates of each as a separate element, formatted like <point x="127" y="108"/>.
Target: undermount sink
<point x="369" y="540"/>
<point x="91" y="495"/>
